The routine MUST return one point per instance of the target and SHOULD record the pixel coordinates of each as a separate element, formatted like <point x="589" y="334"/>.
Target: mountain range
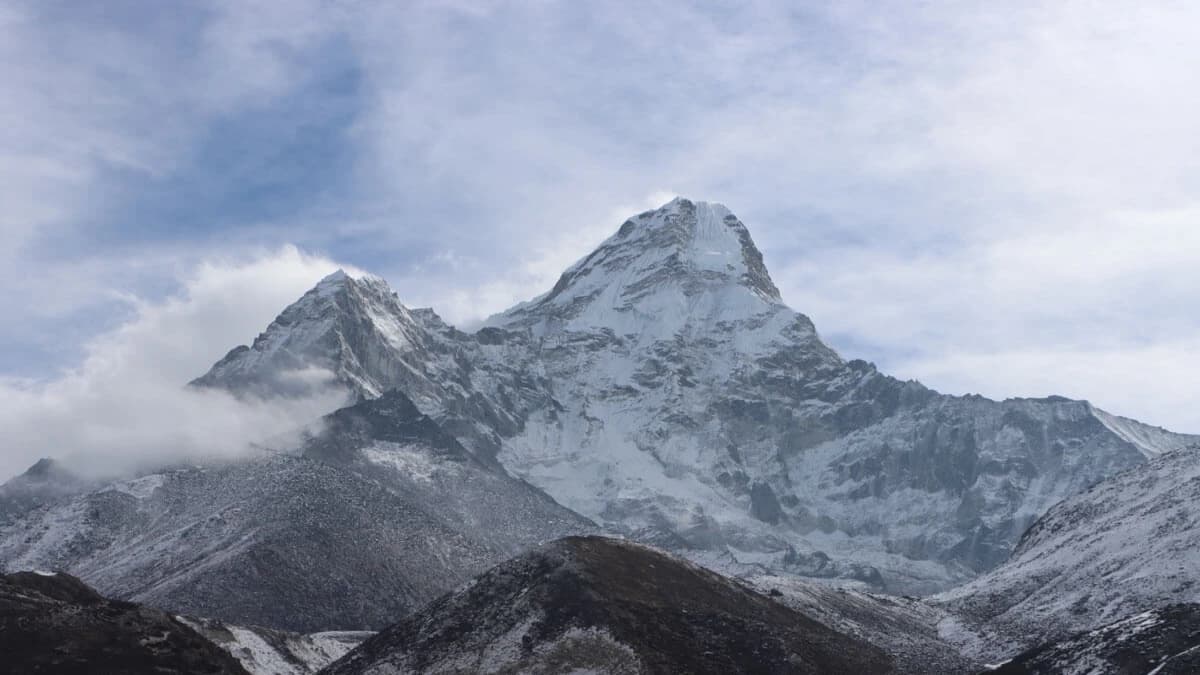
<point x="663" y="393"/>
<point x="663" y="390"/>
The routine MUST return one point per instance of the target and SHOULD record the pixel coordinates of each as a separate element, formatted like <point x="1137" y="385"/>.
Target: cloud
<point x="930" y="182"/>
<point x="127" y="405"/>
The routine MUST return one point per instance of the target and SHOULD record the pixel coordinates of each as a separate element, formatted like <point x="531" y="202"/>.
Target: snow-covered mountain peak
<point x="663" y="389"/>
<point x="683" y="261"/>
<point x="341" y="280"/>
<point x="333" y="278"/>
<point x="340" y="324"/>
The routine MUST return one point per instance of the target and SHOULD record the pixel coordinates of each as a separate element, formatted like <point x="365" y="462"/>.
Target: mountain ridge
<point x="662" y="389"/>
<point x="1125" y="545"/>
<point x="591" y="604"/>
<point x="375" y="514"/>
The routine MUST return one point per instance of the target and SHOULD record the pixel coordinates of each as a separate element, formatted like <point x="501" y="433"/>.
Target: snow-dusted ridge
<point x="662" y="389"/>
<point x="662" y="270"/>
<point x="1151" y="440"/>
<point x="1161" y="641"/>
<point x="1124" y="546"/>
<point x="327" y="537"/>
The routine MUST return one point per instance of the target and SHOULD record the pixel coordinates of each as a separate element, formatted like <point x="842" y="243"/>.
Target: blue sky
<point x="994" y="199"/>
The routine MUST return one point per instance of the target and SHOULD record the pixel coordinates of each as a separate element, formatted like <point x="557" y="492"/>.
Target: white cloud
<point x="935" y="184"/>
<point x="127" y="403"/>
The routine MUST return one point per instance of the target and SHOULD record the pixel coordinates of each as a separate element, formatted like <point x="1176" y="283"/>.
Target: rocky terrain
<point x="664" y="390"/>
<point x="381" y="513"/>
<point x="1124" y="546"/>
<point x="590" y="604"/>
<point x="55" y="624"/>
<point x="904" y="627"/>
<point x="45" y="482"/>
<point x="661" y="392"/>
<point x="1164" y="641"/>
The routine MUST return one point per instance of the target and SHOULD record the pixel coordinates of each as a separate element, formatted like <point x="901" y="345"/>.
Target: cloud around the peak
<point x="127" y="405"/>
<point x="928" y="181"/>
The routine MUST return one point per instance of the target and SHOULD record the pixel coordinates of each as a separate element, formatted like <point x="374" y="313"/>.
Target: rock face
<point x="1164" y="641"/>
<point x="663" y="390"/>
<point x="381" y="513"/>
<point x="358" y="331"/>
<point x="54" y="623"/>
<point x="602" y="605"/>
<point x="1124" y="546"/>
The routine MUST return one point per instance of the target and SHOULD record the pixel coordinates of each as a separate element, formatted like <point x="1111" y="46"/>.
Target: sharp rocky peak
<point x="342" y="281"/>
<point x="685" y="254"/>
<point x="340" y="325"/>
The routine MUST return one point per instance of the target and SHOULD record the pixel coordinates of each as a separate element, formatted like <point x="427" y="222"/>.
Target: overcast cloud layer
<point x="999" y="199"/>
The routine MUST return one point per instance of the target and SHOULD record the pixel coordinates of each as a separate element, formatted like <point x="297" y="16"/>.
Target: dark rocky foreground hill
<point x="591" y="604"/>
<point x="57" y="625"/>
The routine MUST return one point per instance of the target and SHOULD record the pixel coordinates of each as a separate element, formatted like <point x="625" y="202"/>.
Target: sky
<point x="995" y="198"/>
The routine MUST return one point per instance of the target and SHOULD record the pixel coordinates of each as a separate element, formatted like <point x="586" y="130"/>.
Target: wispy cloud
<point x="126" y="405"/>
<point x="946" y="189"/>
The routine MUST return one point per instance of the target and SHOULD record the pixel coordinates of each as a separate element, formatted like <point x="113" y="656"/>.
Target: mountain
<point x="54" y="623"/>
<point x="44" y="482"/>
<point x="359" y="332"/>
<point x="380" y="512"/>
<point x="663" y="389"/>
<point x="1163" y="641"/>
<point x="590" y="604"/>
<point x="1124" y="546"/>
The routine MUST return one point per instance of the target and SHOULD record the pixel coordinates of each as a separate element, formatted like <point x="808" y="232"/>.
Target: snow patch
<point x="1150" y="441"/>
<point x="140" y="488"/>
<point x="410" y="460"/>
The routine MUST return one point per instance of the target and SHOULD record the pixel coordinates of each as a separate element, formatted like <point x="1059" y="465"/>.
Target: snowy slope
<point x="265" y="651"/>
<point x="346" y="536"/>
<point x="695" y="409"/>
<point x="904" y="627"/>
<point x="1127" y="545"/>
<point x="664" y="390"/>
<point x="44" y="482"/>
<point x="1163" y="641"/>
<point x="358" y="330"/>
<point x="1151" y="440"/>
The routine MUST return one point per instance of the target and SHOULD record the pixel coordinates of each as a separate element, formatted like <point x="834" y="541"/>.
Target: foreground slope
<point x="363" y="528"/>
<point x="904" y="627"/>
<point x="590" y="604"/>
<point x="267" y="651"/>
<point x="1126" y="545"/>
<point x="53" y="623"/>
<point x="663" y="389"/>
<point x="1163" y="641"/>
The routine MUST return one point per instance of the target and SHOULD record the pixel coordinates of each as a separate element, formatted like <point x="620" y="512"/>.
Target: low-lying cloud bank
<point x="128" y="405"/>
